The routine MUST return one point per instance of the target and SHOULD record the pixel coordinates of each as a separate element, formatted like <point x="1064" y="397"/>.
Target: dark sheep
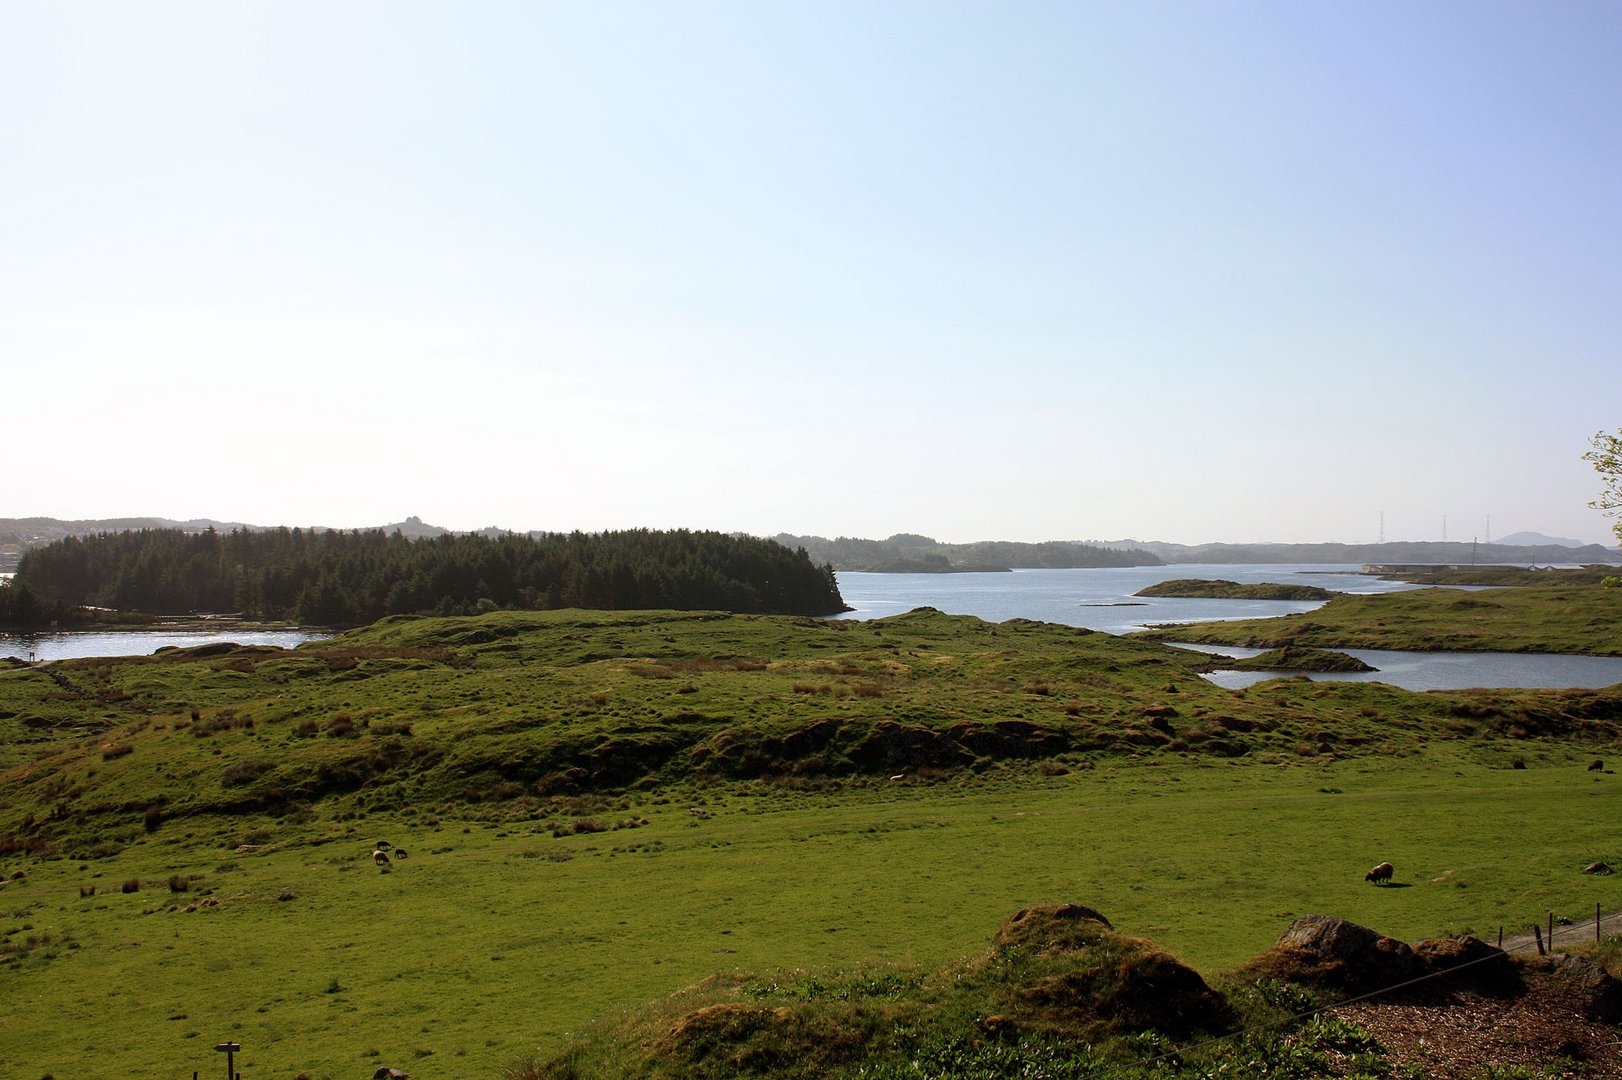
<point x="1596" y="765"/>
<point x="399" y="853"/>
<point x="1380" y="874"/>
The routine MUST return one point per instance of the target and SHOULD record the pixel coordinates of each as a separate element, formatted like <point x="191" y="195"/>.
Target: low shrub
<point x="212" y="726"/>
<point x="132" y="885"/>
<point x="245" y="772"/>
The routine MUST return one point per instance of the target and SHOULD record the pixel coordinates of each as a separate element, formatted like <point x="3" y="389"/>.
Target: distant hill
<point x="1450" y="552"/>
<point x="911" y="553"/>
<point x="19" y="534"/>
<point x="414" y="528"/>
<point x="1537" y="539"/>
<point x="32" y="531"/>
<point x="914" y="552"/>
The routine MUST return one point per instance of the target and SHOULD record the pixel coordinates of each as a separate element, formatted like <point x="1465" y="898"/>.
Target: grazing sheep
<point x="399" y="853"/>
<point x="383" y="845"/>
<point x="1380" y="874"/>
<point x="1596" y="765"/>
<point x="1596" y="868"/>
<point x="381" y="857"/>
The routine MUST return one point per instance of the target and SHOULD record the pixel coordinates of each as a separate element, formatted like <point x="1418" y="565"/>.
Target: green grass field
<point x="602" y="809"/>
<point x="489" y="942"/>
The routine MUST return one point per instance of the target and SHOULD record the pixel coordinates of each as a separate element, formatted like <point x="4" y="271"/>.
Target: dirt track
<point x="1578" y="932"/>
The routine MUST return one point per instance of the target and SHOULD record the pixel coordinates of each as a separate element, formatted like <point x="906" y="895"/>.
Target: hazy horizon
<point x="1115" y="541"/>
<point x="1174" y="270"/>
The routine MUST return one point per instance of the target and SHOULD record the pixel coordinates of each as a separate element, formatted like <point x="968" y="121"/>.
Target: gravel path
<point x="1578" y="932"/>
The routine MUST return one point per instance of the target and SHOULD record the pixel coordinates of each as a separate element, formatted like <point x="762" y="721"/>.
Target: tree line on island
<point x="336" y="578"/>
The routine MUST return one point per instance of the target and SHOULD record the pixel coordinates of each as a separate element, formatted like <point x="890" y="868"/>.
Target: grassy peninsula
<point x="1561" y="619"/>
<point x="1219" y="589"/>
<point x="1517" y="576"/>
<point x="1299" y="658"/>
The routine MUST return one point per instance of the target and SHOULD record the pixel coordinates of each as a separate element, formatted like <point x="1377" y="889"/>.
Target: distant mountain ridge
<point x="1449" y="552"/>
<point x="913" y="552"/>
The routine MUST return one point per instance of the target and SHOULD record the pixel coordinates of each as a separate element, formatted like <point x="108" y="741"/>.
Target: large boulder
<point x="1470" y="963"/>
<point x="1591" y="990"/>
<point x="1322" y="950"/>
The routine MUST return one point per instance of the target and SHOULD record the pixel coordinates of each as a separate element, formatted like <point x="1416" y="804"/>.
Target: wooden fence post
<point x="1537" y="932"/>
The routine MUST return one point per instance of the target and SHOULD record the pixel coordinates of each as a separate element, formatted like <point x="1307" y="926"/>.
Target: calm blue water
<point x="138" y="642"/>
<point x="1097" y="598"/>
<point x="1446" y="670"/>
<point x="1089" y="598"/>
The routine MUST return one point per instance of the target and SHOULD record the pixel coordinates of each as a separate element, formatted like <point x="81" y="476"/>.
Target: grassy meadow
<point x="601" y="809"/>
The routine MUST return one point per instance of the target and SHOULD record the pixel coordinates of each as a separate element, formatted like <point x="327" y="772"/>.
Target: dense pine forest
<point x="19" y="607"/>
<point x="332" y="578"/>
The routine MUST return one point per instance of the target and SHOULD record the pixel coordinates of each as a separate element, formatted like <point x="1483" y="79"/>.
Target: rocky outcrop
<point x="1471" y="964"/>
<point x="1592" y="991"/>
<point x="1322" y="950"/>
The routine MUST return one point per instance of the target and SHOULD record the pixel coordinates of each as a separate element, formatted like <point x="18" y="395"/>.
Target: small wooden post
<point x="1500" y="945"/>
<point x="1537" y="931"/>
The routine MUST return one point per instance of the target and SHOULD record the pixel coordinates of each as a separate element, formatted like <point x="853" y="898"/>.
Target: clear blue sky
<point x="1187" y="271"/>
